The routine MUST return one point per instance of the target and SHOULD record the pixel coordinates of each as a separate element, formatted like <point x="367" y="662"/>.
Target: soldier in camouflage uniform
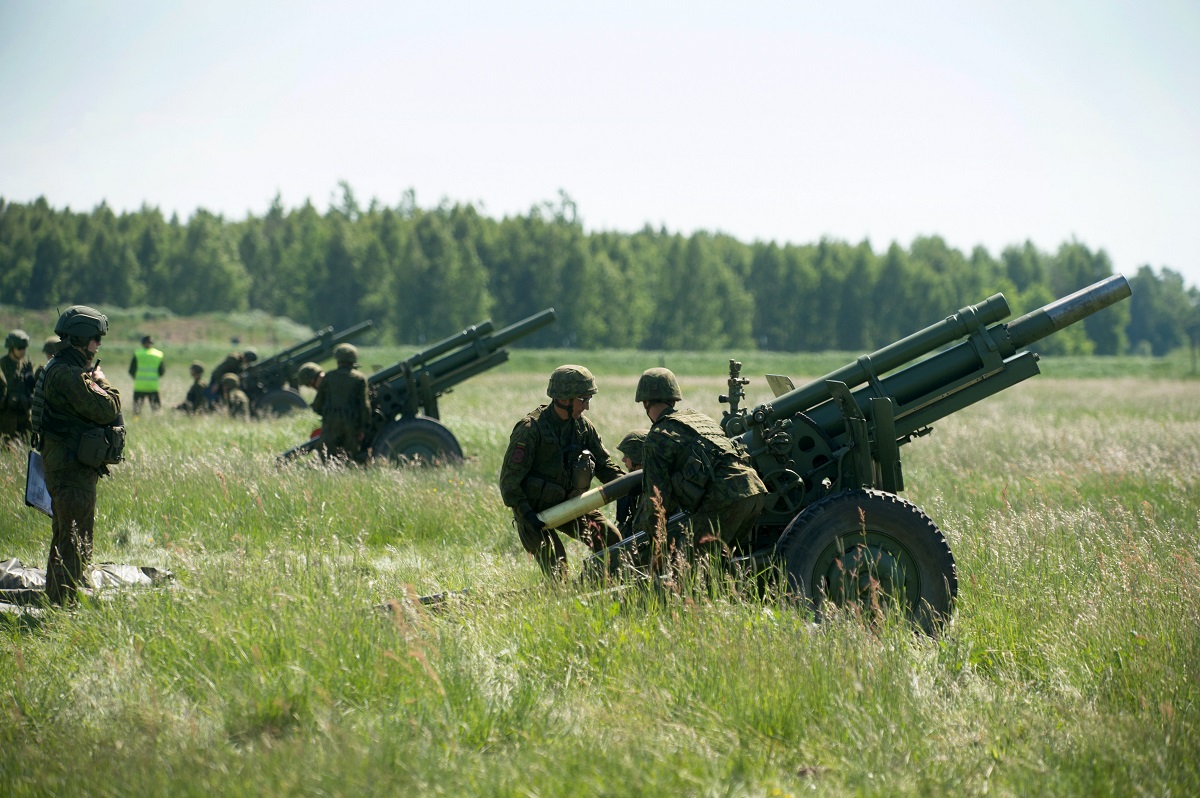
<point x="630" y="447"/>
<point x="691" y="465"/>
<point x="310" y="374"/>
<point x="79" y="431"/>
<point x="196" y="400"/>
<point x="234" y="363"/>
<point x="344" y="407"/>
<point x="49" y="347"/>
<point x="233" y="398"/>
<point x="553" y="454"/>
<point x="16" y="399"/>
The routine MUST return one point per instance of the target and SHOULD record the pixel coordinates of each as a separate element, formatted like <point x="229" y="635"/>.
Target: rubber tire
<point x="417" y="441"/>
<point x="279" y="402"/>
<point x="913" y="561"/>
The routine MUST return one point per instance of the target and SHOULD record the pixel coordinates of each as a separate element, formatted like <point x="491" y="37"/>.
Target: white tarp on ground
<point x="21" y="586"/>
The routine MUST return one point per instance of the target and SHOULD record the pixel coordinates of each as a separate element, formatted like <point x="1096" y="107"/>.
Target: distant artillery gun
<point x="829" y="453"/>
<point x="271" y="384"/>
<point x="405" y="417"/>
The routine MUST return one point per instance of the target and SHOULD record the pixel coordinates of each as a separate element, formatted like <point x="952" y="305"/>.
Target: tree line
<point x="424" y="273"/>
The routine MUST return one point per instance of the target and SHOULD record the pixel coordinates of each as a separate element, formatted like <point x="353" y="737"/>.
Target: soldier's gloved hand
<point x="534" y="522"/>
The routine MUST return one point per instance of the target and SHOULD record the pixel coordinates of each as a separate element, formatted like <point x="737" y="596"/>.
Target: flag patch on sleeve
<point x="518" y="454"/>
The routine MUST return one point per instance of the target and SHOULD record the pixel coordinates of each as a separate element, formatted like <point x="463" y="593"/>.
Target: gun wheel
<point x="871" y="550"/>
<point x="279" y="402"/>
<point x="417" y="441"/>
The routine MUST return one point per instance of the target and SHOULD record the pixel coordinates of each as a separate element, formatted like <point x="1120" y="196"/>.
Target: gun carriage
<point x="405" y="413"/>
<point x="271" y="384"/>
<point x="829" y="452"/>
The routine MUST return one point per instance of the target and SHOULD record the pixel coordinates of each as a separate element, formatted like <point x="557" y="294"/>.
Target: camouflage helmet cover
<point x="50" y="346"/>
<point x="307" y="373"/>
<point x="345" y="354"/>
<point x="230" y="381"/>
<point x="570" y="381"/>
<point x="80" y="321"/>
<point x="657" y="385"/>
<point x="17" y="339"/>
<point x="632" y="444"/>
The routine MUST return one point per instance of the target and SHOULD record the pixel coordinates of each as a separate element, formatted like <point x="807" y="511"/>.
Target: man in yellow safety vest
<point x="146" y="367"/>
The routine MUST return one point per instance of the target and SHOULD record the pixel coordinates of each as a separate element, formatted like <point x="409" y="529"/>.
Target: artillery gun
<point x="271" y="383"/>
<point x="829" y="453"/>
<point x="405" y="421"/>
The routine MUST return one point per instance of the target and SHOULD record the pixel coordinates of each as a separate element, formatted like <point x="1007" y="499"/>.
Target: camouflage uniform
<point x="631" y="446"/>
<point x="197" y="400"/>
<point x="17" y="395"/>
<point x="74" y="398"/>
<point x="691" y="465"/>
<point x="537" y="474"/>
<point x="345" y="411"/>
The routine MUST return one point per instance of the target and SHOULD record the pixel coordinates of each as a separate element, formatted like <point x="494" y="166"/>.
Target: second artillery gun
<point x="405" y="418"/>
<point x="829" y="453"/>
<point x="271" y="383"/>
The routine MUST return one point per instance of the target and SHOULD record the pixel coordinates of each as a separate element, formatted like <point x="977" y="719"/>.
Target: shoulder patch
<point x="97" y="389"/>
<point x="518" y="454"/>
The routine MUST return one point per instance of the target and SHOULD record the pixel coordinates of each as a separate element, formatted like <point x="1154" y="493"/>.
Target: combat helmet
<point x="230" y="381"/>
<point x="50" y="346"/>
<point x="657" y="385"/>
<point x="80" y="321"/>
<point x="632" y="444"/>
<point x="570" y="381"/>
<point x="196" y="367"/>
<point x="345" y="354"/>
<point x="250" y="355"/>
<point x="17" y="339"/>
<point x="307" y="373"/>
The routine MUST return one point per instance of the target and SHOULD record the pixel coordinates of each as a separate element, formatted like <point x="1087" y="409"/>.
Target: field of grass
<point x="1072" y="666"/>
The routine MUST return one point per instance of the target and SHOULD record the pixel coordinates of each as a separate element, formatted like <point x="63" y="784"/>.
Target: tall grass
<point x="289" y="657"/>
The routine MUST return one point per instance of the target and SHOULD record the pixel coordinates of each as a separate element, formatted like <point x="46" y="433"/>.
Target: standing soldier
<point x="78" y="429"/>
<point x="343" y="406"/>
<point x="553" y="454"/>
<point x="146" y="367"/>
<point x="233" y="398"/>
<point x="16" y="372"/>
<point x="691" y="465"/>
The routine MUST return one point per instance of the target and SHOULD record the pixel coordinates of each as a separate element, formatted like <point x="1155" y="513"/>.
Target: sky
<point x="987" y="123"/>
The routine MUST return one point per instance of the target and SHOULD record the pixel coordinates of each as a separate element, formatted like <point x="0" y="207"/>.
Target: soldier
<point x="79" y="431"/>
<point x="310" y="374"/>
<point x="234" y="363"/>
<point x="16" y="374"/>
<point x="146" y="366"/>
<point x="630" y="448"/>
<point x="553" y="453"/>
<point x="233" y="398"/>
<point x="49" y="347"/>
<point x="343" y="406"/>
<point x="691" y="465"/>
<point x="196" y="400"/>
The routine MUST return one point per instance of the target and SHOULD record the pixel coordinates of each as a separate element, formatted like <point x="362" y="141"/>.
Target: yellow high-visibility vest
<point x="148" y="362"/>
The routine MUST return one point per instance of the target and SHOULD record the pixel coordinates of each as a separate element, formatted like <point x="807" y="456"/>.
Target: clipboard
<point x="37" y="495"/>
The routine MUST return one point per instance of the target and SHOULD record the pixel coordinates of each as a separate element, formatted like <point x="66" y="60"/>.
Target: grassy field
<point x="1072" y="667"/>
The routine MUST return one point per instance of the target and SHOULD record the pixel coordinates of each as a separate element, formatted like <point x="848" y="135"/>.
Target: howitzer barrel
<point x="892" y="356"/>
<point x="594" y="499"/>
<point x="1037" y="324"/>
<point x="472" y="344"/>
<point x="920" y="391"/>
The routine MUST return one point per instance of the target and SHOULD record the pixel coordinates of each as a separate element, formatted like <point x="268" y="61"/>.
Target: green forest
<point x="422" y="273"/>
